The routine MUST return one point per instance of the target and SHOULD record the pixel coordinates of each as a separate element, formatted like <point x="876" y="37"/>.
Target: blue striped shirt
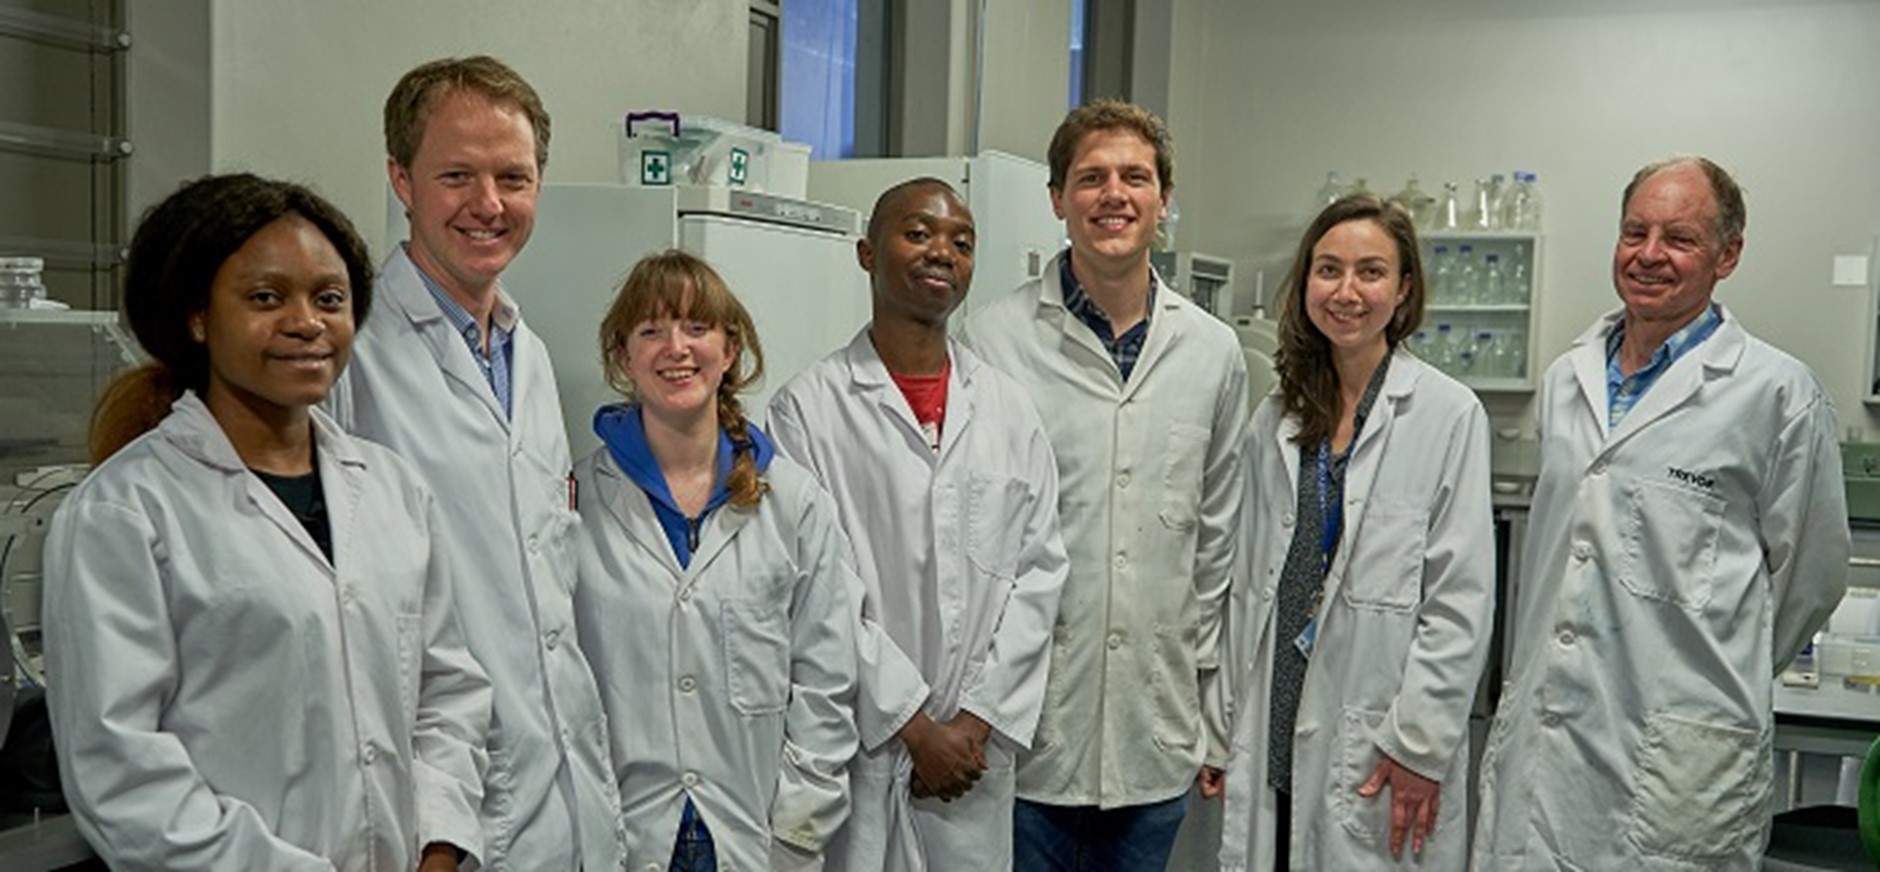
<point x="1123" y="349"/>
<point x="499" y="364"/>
<point x="1623" y="391"/>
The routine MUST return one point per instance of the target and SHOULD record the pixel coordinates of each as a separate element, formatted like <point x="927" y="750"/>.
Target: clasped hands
<point x="948" y="757"/>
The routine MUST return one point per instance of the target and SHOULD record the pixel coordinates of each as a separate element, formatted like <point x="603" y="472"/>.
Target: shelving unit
<point x="1519" y="317"/>
<point x="63" y="147"/>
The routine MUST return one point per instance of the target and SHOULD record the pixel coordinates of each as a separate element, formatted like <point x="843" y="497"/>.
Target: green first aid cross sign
<point x="655" y="168"/>
<point x="740" y="166"/>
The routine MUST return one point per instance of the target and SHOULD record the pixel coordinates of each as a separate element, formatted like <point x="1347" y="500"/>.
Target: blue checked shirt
<point x="500" y="363"/>
<point x="1622" y="391"/>
<point x="1125" y="348"/>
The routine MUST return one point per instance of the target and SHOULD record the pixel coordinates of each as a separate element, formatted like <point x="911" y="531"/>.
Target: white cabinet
<point x="1481" y="317"/>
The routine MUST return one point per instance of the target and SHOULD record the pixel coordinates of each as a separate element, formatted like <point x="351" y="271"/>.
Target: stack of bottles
<point x="1498" y="204"/>
<point x="1463" y="278"/>
<point x="1483" y="354"/>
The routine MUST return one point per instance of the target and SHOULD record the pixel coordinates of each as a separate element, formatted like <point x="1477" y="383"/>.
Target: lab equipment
<point x="1203" y="278"/>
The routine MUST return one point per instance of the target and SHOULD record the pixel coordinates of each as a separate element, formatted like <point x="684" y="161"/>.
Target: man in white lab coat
<point x="1144" y="396"/>
<point x="450" y="377"/>
<point x="944" y="481"/>
<point x="1688" y="534"/>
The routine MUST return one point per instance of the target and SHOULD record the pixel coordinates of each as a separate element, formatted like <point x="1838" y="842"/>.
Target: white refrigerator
<point x="1017" y="231"/>
<point x="790" y="262"/>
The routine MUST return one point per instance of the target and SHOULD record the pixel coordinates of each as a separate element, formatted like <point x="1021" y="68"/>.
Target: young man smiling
<point x="944" y="481"/>
<point x="452" y="379"/>
<point x="1144" y="396"/>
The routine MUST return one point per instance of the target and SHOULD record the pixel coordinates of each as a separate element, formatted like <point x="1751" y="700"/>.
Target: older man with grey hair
<point x="1689" y="532"/>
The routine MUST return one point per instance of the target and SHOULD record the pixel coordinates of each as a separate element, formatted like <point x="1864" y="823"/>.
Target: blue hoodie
<point x="624" y="434"/>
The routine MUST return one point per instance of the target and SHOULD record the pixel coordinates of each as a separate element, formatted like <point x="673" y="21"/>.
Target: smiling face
<point x="279" y="323"/>
<point x="470" y="192"/>
<point x="1354" y="286"/>
<point x="676" y="365"/>
<point x="1669" y="257"/>
<point x="920" y="257"/>
<point x="1112" y="197"/>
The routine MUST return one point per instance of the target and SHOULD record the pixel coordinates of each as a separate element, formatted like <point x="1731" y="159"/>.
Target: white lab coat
<point x="1149" y="488"/>
<point x="962" y="563"/>
<point x="1403" y="629"/>
<point x="1674" y="565"/>
<point x="224" y="696"/>
<point x="502" y="484"/>
<point x="731" y="680"/>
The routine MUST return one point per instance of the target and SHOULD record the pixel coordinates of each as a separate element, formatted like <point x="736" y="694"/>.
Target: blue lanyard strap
<point x="1331" y="506"/>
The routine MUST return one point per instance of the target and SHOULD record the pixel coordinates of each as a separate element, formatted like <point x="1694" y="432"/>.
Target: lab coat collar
<point x="630" y="457"/>
<point x="1717" y="357"/>
<point x="1164" y="331"/>
<point x="871" y="376"/>
<point x="1405" y="370"/>
<point x="402" y="289"/>
<point x="195" y="432"/>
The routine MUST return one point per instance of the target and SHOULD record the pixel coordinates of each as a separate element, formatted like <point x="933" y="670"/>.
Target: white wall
<point x="1268" y="96"/>
<point x="1026" y="87"/>
<point x="299" y="87"/>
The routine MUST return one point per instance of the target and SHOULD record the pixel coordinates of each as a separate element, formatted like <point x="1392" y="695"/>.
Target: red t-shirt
<point x="927" y="396"/>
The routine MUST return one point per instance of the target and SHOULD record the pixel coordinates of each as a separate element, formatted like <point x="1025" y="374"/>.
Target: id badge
<point x="1307" y="638"/>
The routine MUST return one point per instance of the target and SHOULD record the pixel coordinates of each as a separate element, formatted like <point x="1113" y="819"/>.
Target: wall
<point x="1025" y="89"/>
<point x="299" y="87"/>
<point x="1268" y="96"/>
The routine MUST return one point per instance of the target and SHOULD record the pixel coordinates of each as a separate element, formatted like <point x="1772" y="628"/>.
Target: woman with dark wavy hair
<point x="1366" y="580"/>
<point x="251" y="655"/>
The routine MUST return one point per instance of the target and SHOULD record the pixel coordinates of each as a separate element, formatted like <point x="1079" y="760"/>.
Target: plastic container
<point x="22" y="284"/>
<point x="661" y="148"/>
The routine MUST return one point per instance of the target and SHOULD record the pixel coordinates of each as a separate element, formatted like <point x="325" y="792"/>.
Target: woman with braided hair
<point x="717" y="600"/>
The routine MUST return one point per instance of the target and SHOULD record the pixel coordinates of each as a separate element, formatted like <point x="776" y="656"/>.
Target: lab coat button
<point x="1122" y="479"/>
<point x="1115" y="641"/>
<point x="687" y="684"/>
<point x="1566" y="637"/>
<point x="1582" y="551"/>
<point x="1266" y="593"/>
<point x="690" y="779"/>
<point x="1122" y="561"/>
<point x="552" y="639"/>
<point x="534" y="547"/>
<point x="1550" y="719"/>
<point x="369" y="754"/>
<point x="1288" y="520"/>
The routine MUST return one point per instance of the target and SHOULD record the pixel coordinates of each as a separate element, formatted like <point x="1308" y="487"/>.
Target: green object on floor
<point x="1870" y="803"/>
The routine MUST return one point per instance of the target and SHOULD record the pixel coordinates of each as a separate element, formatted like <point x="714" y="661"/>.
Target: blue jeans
<point x="1056" y="838"/>
<point x="693" y="850"/>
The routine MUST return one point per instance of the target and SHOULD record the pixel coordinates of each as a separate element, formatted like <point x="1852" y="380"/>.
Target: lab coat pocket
<point x="1174" y="687"/>
<point x="1671" y="544"/>
<point x="1700" y="792"/>
<point x="1184" y="456"/>
<point x="1356" y="756"/>
<point x="757" y="655"/>
<point x="1384" y="569"/>
<point x="996" y="508"/>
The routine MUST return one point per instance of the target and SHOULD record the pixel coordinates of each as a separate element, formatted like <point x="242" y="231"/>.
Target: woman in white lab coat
<point x="716" y="601"/>
<point x="1364" y="596"/>
<point x="251" y="659"/>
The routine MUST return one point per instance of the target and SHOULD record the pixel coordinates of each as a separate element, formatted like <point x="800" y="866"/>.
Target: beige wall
<point x="1026" y="86"/>
<point x="1268" y="96"/>
<point x="299" y="86"/>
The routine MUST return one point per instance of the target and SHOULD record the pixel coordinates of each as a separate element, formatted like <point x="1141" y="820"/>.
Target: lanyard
<point x="1331" y="507"/>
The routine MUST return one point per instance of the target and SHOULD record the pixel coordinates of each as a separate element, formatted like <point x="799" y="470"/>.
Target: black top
<point x="303" y="497"/>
